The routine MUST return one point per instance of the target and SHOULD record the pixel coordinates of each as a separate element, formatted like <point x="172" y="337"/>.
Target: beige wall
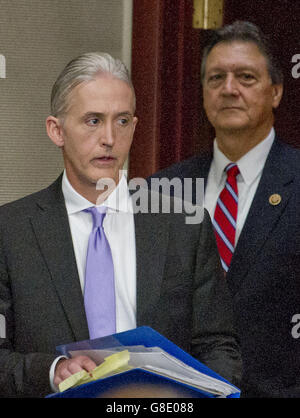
<point x="37" y="38"/>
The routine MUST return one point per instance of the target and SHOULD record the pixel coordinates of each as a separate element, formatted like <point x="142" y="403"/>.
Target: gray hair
<point x="84" y="68"/>
<point x="245" y="32"/>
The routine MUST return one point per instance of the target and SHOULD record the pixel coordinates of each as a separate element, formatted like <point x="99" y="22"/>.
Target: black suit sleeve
<point x="214" y="339"/>
<point x="21" y="375"/>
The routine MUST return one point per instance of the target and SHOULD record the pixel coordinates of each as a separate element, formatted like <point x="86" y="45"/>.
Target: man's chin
<point x="231" y="125"/>
<point x="105" y="176"/>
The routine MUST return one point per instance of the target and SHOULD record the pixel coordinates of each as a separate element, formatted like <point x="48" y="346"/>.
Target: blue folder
<point x="147" y="337"/>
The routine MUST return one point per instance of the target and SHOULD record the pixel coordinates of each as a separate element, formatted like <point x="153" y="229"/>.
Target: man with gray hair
<point x="76" y="265"/>
<point x="252" y="195"/>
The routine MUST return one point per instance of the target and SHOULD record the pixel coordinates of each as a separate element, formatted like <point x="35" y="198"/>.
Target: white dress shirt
<point x="119" y="228"/>
<point x="250" y="165"/>
<point x="118" y="225"/>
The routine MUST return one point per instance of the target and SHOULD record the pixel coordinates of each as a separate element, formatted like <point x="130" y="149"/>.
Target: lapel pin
<point x="275" y="199"/>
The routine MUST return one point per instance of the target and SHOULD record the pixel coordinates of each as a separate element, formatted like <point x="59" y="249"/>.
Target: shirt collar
<point x="256" y="157"/>
<point x="117" y="201"/>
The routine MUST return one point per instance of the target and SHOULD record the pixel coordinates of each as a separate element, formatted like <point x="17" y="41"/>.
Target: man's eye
<point x="215" y="77"/>
<point x="93" y="122"/>
<point x="247" y="77"/>
<point x="123" y="121"/>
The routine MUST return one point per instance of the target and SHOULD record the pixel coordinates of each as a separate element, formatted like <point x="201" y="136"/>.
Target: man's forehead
<point x="92" y="96"/>
<point x="237" y="53"/>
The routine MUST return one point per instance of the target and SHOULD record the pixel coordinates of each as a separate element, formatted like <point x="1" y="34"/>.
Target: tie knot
<point x="232" y="170"/>
<point x="98" y="214"/>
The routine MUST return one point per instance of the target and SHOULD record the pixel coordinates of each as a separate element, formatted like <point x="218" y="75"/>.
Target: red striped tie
<point x="225" y="216"/>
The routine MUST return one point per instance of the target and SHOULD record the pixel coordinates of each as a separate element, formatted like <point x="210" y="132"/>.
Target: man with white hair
<point x="75" y="265"/>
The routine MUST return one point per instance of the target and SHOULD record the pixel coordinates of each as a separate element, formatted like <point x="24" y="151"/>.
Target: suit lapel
<point x="201" y="170"/>
<point x="276" y="179"/>
<point x="52" y="231"/>
<point x="151" y="232"/>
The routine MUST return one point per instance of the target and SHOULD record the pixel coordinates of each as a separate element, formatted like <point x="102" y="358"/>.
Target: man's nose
<point x="107" y="136"/>
<point x="230" y="85"/>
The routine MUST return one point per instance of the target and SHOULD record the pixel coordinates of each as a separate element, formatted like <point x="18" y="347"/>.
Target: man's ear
<point x="277" y="94"/>
<point x="135" y="121"/>
<point x="54" y="131"/>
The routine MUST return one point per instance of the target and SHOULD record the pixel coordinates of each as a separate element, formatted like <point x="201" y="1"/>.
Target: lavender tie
<point x="99" y="291"/>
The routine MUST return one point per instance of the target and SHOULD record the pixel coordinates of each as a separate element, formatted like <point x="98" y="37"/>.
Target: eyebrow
<point x="238" y="68"/>
<point x="101" y="114"/>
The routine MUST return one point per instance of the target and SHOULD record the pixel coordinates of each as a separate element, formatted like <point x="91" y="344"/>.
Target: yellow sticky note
<point x="111" y="364"/>
<point x="74" y="380"/>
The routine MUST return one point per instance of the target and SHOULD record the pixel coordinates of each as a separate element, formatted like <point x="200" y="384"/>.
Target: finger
<point x="88" y="364"/>
<point x="85" y="363"/>
<point x="57" y="380"/>
<point x="59" y="377"/>
<point x="74" y="367"/>
<point x="64" y="369"/>
<point x="65" y="373"/>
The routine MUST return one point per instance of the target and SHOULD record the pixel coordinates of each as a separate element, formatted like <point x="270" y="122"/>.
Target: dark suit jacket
<point x="264" y="276"/>
<point x="179" y="290"/>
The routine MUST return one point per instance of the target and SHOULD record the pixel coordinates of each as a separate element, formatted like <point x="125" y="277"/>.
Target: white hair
<point x="85" y="68"/>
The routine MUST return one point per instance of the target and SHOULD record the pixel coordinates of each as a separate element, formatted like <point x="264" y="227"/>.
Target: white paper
<point x="160" y="362"/>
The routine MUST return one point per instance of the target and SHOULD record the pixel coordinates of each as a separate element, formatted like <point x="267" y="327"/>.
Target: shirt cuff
<point x="52" y="372"/>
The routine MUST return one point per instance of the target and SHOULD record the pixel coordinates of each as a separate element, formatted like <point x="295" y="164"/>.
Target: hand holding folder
<point x="141" y="357"/>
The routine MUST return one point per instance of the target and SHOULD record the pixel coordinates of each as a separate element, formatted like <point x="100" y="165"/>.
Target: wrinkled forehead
<point x="231" y="55"/>
<point x="236" y="51"/>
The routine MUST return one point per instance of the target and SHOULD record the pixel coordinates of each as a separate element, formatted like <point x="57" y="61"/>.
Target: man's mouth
<point x="102" y="160"/>
<point x="231" y="108"/>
